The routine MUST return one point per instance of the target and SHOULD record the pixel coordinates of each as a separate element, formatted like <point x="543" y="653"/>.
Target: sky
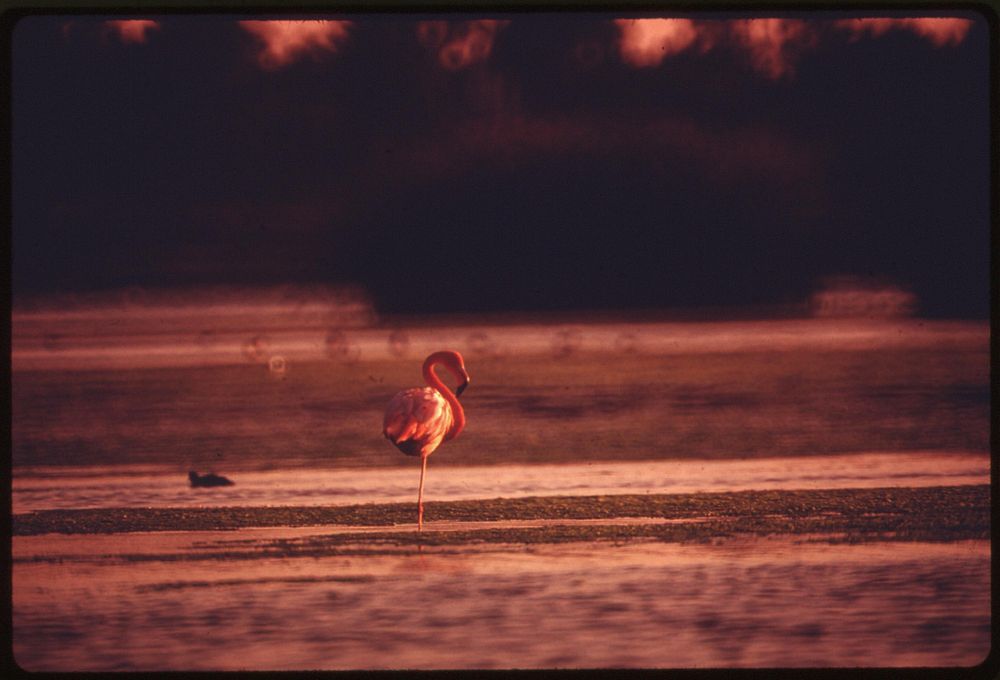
<point x="511" y="162"/>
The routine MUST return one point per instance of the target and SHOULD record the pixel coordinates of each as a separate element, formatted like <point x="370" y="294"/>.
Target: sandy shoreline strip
<point x="897" y="513"/>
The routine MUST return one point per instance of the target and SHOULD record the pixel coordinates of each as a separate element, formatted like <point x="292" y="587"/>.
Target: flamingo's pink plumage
<point x="417" y="420"/>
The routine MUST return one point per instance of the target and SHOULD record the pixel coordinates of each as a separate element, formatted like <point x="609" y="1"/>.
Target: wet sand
<point x="935" y="513"/>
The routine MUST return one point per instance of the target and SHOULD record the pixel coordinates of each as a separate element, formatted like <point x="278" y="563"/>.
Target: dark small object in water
<point x="210" y="479"/>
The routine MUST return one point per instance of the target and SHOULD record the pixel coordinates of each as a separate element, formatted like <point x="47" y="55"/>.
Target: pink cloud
<point x="773" y="43"/>
<point x="460" y="43"/>
<point x="285" y="41"/>
<point x="647" y="42"/>
<point x="939" y="31"/>
<point x="130" y="30"/>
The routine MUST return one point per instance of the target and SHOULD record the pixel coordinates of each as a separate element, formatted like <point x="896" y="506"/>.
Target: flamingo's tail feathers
<point x="399" y="428"/>
<point x="402" y="434"/>
<point x="411" y="447"/>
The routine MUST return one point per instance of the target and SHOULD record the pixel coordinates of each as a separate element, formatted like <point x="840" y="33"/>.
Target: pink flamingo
<point x="419" y="419"/>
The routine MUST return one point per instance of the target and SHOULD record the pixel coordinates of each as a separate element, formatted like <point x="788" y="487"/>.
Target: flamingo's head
<point x="458" y="369"/>
<point x="465" y="383"/>
<point x="455" y="364"/>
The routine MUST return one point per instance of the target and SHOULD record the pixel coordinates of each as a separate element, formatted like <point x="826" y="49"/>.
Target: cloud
<point x="129" y="30"/>
<point x="460" y="44"/>
<point x="285" y="41"/>
<point x="647" y="42"/>
<point x="939" y="31"/>
<point x="773" y="44"/>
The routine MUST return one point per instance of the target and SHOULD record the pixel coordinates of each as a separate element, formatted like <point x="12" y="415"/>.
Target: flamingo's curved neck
<point x="434" y="381"/>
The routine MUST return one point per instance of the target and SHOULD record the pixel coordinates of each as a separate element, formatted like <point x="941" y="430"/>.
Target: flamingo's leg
<point x="420" y="494"/>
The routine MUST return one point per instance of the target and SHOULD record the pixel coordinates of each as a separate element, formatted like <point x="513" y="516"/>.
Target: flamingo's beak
<point x="461" y="388"/>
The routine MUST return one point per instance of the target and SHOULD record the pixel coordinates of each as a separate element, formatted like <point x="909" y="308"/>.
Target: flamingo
<point x="419" y="419"/>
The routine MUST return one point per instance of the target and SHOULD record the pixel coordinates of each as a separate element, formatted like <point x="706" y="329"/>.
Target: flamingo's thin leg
<point x="420" y="494"/>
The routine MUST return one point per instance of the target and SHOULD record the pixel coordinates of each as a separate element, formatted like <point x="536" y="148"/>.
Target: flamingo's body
<point x="419" y="419"/>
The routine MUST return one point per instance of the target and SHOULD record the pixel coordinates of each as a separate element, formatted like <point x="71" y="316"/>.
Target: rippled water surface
<point x="698" y="391"/>
<point x="735" y="603"/>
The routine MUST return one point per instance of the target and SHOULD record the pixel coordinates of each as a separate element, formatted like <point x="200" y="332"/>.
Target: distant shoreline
<point x="78" y="346"/>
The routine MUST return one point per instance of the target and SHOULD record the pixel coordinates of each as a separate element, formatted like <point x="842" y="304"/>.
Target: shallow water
<point x="734" y="603"/>
<point x="157" y="486"/>
<point x="695" y="391"/>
